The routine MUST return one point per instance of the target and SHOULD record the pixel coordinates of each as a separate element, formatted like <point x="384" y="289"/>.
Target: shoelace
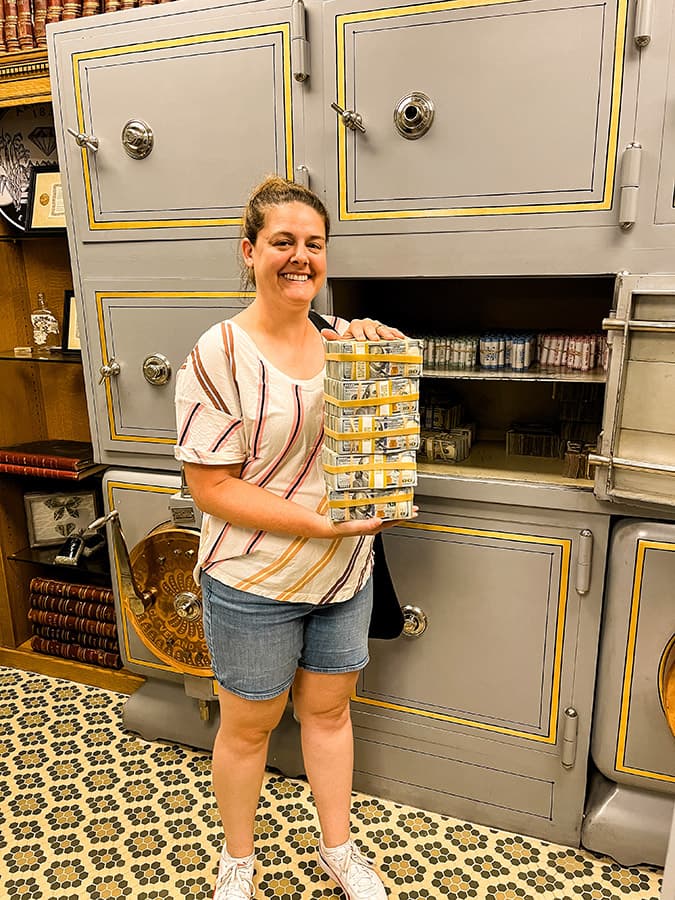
<point x="362" y="877"/>
<point x="236" y="876"/>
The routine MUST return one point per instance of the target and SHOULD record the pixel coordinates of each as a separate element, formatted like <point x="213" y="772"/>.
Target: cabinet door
<point x="143" y="338"/>
<point x="636" y="461"/>
<point x="528" y="115"/>
<point x="473" y="714"/>
<point x="184" y="109"/>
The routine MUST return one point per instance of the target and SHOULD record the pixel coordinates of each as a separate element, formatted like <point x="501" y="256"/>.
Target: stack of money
<point x="371" y="427"/>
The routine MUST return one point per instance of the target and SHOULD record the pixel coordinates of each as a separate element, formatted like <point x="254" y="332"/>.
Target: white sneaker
<point x="352" y="871"/>
<point x="235" y="878"/>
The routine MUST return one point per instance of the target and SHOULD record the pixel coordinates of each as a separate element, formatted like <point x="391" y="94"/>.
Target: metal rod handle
<point x="634" y="464"/>
<point x="84" y="140"/>
<point x="613" y="324"/>
<point x="350" y="118"/>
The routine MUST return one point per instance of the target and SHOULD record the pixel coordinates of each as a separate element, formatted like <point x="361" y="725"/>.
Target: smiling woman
<point x="287" y="592"/>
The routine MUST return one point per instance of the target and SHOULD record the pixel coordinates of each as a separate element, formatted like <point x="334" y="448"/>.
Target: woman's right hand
<point x="356" y="527"/>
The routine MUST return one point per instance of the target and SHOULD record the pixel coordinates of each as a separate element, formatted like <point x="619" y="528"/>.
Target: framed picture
<point x="51" y="518"/>
<point x="70" y="341"/>
<point x="46" y="211"/>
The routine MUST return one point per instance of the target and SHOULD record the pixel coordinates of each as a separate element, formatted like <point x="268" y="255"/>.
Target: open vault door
<point x="636" y="458"/>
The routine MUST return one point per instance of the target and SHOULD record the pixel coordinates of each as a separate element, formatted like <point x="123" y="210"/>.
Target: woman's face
<point x="289" y="254"/>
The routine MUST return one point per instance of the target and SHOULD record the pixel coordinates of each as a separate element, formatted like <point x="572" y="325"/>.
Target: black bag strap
<point x="318" y="320"/>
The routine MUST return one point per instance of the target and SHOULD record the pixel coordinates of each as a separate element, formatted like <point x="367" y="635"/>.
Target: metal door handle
<point x="107" y="371"/>
<point x="414" y="621"/>
<point x="156" y="369"/>
<point x="84" y="140"/>
<point x="350" y="118"/>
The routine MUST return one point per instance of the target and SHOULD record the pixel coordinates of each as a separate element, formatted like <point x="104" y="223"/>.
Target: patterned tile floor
<point x="89" y="812"/>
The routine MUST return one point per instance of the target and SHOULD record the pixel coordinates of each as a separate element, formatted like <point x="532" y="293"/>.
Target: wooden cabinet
<point x="38" y="400"/>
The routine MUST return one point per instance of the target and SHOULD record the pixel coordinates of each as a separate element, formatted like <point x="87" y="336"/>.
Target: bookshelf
<point x="39" y="400"/>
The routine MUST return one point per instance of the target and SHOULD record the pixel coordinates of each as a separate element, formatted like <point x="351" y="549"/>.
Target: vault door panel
<point x="213" y="107"/>
<point x="532" y="127"/>
<point x="145" y="337"/>
<point x="638" y="444"/>
<point x="475" y="664"/>
<point x="632" y="741"/>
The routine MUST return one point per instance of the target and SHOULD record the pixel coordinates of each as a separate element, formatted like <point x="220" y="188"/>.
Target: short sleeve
<point x="208" y="409"/>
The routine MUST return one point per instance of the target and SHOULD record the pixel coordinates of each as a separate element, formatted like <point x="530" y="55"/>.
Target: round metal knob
<point x="414" y="621"/>
<point x="137" y="139"/>
<point x="188" y="606"/>
<point x="108" y="371"/>
<point x="156" y="369"/>
<point x="413" y="115"/>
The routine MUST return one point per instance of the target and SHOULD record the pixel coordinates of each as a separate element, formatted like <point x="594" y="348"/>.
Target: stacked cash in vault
<point x="371" y="427"/>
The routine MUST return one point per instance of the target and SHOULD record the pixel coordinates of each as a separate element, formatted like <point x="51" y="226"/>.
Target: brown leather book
<point x="3" y="48"/>
<point x="67" y="636"/>
<point x="75" y="623"/>
<point x="39" y="22"/>
<point x="25" y="25"/>
<point x="75" y="651"/>
<point x="56" y="588"/>
<point x="11" y="26"/>
<point x="54" y="10"/>
<point x="69" y="607"/>
<point x="72" y="9"/>
<point x="55" y="454"/>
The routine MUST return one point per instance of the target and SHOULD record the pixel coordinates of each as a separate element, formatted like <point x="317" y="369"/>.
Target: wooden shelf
<point x="55" y="356"/>
<point x="534" y="373"/>
<point x="24" y="78"/>
<point x="119" y="680"/>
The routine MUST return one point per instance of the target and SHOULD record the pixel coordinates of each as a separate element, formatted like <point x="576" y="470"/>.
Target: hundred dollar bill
<point x="347" y="505"/>
<point x="361" y="445"/>
<point x="369" y="424"/>
<point x="387" y="389"/>
<point x="402" y="407"/>
<point x="374" y="359"/>
<point x="376" y="470"/>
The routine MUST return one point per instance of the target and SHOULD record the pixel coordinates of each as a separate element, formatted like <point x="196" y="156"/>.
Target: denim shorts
<point x="256" y="644"/>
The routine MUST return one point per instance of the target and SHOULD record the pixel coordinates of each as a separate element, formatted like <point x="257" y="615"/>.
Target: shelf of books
<point x="72" y="460"/>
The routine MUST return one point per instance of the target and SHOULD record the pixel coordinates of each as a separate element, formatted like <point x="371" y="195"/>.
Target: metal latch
<point x="350" y="118"/>
<point x="83" y="140"/>
<point x="629" y="185"/>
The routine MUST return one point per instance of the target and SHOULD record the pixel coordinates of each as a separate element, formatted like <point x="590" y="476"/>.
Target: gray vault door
<point x="526" y="113"/>
<point x="214" y="86"/>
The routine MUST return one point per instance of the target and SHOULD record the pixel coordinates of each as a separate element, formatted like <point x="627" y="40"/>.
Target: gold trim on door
<point x="604" y="203"/>
<point x="565" y="545"/>
<point x="620" y="761"/>
<point x="282" y="28"/>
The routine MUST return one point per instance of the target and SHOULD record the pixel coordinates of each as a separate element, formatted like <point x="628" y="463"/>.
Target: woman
<point x="287" y="593"/>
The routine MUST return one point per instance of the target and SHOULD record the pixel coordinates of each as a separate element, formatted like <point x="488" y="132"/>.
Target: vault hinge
<point x="570" y="728"/>
<point x="643" y="22"/>
<point x="299" y="42"/>
<point x="584" y="557"/>
<point x="629" y="185"/>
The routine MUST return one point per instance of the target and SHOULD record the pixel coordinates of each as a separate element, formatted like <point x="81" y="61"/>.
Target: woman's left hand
<point x="365" y="330"/>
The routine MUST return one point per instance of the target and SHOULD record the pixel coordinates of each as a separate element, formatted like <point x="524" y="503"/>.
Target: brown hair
<point x="275" y="191"/>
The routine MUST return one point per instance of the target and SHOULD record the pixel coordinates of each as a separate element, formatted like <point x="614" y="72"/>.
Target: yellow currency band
<point x="358" y="435"/>
<point x="390" y="399"/>
<point x="366" y="501"/>
<point x="370" y="467"/>
<point x="415" y="358"/>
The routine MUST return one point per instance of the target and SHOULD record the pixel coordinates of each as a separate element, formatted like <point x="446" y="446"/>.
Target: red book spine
<point x="39" y="22"/>
<point x="91" y="7"/>
<point x="54" y="10"/>
<point x="74" y="651"/>
<point x="25" y="25"/>
<point x="72" y="9"/>
<point x="38" y="471"/>
<point x="42" y="462"/>
<point x="66" y="636"/>
<point x="2" y="27"/>
<point x="11" y="26"/>
<point x="58" y="620"/>
<point x="76" y="591"/>
<point x="68" y="607"/>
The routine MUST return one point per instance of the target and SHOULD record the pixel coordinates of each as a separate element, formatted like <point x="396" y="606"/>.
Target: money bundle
<point x="371" y="428"/>
<point x="366" y="360"/>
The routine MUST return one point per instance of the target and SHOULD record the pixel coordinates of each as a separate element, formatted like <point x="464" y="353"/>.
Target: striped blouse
<point x="234" y="406"/>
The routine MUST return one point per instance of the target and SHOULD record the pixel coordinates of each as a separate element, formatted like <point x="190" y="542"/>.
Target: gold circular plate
<point x="164" y="561"/>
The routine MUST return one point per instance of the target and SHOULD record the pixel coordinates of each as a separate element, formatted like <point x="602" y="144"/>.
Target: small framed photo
<point x="51" y="518"/>
<point x="46" y="210"/>
<point x="70" y="341"/>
